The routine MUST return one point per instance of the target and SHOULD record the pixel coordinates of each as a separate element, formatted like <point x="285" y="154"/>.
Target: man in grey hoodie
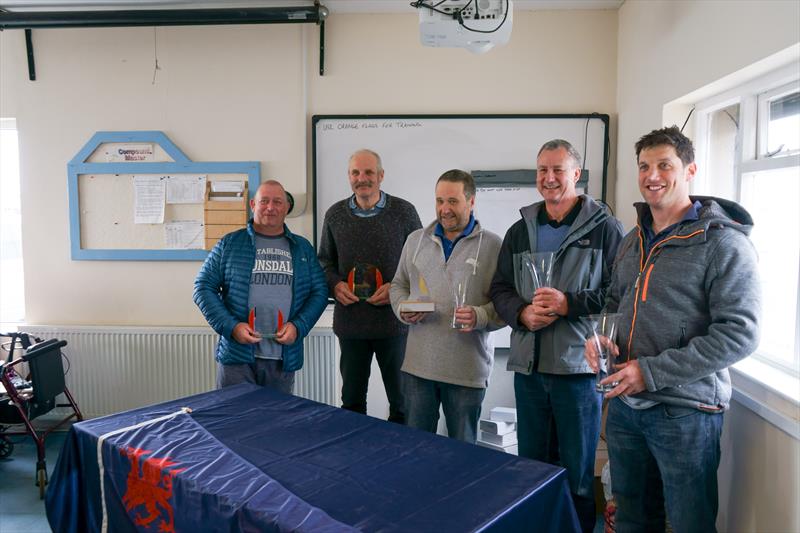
<point x="686" y="284"/>
<point x="448" y="357"/>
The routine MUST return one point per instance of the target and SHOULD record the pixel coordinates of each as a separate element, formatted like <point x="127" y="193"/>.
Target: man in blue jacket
<point x="262" y="289"/>
<point x="686" y="285"/>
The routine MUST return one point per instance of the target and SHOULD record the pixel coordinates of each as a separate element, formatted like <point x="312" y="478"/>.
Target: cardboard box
<point x="215" y="231"/>
<point x="238" y="217"/>
<point x="600" y="456"/>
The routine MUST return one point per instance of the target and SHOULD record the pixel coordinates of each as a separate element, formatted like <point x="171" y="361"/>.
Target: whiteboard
<point x="417" y="149"/>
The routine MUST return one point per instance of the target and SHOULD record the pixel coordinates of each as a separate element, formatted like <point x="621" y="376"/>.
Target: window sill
<point x="770" y="393"/>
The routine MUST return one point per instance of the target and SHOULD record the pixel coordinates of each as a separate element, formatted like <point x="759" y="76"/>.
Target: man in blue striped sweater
<point x="268" y="273"/>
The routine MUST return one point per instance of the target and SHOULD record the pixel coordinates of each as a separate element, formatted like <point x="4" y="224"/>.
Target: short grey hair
<point x="555" y="144"/>
<point x="366" y="151"/>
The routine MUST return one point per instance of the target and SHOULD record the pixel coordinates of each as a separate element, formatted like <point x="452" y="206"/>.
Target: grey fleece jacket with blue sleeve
<point x="582" y="271"/>
<point x="690" y="307"/>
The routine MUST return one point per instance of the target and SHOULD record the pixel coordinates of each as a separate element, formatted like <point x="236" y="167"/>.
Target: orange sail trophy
<point x="280" y="320"/>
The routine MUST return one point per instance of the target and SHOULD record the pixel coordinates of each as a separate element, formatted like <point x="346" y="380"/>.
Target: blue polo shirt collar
<point x="447" y="244"/>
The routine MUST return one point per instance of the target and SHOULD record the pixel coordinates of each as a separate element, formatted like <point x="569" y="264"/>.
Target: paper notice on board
<point x="184" y="234"/>
<point x="186" y="189"/>
<point x="148" y="199"/>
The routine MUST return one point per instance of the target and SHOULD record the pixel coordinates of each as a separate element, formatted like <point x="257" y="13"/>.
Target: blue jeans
<point x="461" y="406"/>
<point x="355" y="364"/>
<point x="663" y="458"/>
<point x="264" y="372"/>
<point x="569" y="406"/>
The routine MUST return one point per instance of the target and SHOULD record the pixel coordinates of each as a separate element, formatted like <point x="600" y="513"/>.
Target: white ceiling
<point x="335" y="6"/>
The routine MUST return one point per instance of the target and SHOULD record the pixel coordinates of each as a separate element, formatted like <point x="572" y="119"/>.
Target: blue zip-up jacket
<point x="222" y="288"/>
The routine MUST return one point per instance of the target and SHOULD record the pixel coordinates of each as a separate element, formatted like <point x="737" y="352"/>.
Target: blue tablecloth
<point x="252" y="459"/>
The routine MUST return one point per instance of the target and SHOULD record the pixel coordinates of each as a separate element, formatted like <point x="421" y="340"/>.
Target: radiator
<point x="113" y="369"/>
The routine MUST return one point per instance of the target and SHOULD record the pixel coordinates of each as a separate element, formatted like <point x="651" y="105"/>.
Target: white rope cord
<point x="104" y="526"/>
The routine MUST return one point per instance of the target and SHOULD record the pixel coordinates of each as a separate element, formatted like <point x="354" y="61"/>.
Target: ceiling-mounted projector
<point x="477" y="25"/>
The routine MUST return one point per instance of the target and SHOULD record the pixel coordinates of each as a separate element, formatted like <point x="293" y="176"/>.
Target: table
<point x="248" y="458"/>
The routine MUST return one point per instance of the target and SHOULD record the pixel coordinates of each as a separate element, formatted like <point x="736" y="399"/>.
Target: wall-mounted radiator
<point x="115" y="368"/>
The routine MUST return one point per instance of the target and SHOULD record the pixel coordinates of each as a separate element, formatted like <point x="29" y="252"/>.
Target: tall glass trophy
<point x="364" y="279"/>
<point x="539" y="266"/>
<point x="603" y="337"/>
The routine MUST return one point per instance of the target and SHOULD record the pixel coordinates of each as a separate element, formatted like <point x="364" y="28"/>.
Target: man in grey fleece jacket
<point x="686" y="283"/>
<point x="444" y="365"/>
<point x="558" y="408"/>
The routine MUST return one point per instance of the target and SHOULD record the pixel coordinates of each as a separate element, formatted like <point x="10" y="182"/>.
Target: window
<point x="748" y="150"/>
<point x="12" y="295"/>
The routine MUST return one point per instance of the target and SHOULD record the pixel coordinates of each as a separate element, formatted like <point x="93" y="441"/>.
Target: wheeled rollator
<point x="24" y="399"/>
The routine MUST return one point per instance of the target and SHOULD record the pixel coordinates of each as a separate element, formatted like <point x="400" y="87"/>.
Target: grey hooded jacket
<point x="690" y="308"/>
<point x="582" y="271"/>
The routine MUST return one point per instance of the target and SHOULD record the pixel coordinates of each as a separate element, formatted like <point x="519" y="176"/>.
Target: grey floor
<point x="21" y="510"/>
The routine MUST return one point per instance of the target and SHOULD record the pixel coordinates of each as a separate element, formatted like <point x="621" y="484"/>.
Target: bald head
<point x="270" y="206"/>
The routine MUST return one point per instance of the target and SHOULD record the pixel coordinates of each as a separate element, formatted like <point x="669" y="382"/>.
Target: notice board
<point x="116" y="173"/>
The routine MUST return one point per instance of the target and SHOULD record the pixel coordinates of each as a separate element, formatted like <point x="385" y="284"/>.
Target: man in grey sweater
<point x="686" y="284"/>
<point x="448" y="357"/>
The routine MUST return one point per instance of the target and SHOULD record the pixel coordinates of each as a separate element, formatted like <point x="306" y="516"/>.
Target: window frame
<point x="753" y="98"/>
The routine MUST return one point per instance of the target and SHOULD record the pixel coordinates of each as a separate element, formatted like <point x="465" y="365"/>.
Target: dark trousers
<point x="558" y="421"/>
<point x="355" y="363"/>
<point x="264" y="372"/>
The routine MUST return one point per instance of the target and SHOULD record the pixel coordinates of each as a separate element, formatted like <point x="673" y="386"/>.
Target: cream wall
<point x="247" y="93"/>
<point x="668" y="49"/>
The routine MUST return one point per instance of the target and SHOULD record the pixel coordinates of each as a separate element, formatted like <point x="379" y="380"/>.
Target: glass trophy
<point x="539" y="266"/>
<point x="603" y="336"/>
<point x="364" y="279"/>
<point x="459" y="287"/>
<point x="277" y="329"/>
<point x="252" y="322"/>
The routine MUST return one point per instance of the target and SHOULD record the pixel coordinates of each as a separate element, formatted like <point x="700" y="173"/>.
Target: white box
<point x="497" y="427"/>
<point x="513" y="449"/>
<point x="509" y="439"/>
<point x="503" y="414"/>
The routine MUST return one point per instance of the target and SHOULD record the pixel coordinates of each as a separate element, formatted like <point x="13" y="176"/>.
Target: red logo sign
<point x="149" y="485"/>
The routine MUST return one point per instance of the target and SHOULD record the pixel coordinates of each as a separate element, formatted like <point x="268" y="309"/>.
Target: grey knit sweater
<point x="434" y="350"/>
<point x="378" y="240"/>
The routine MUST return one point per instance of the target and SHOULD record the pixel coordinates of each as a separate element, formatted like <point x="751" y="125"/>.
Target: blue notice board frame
<point x="180" y="165"/>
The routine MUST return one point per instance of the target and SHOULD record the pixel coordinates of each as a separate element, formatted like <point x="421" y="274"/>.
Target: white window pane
<point x="723" y="128"/>
<point x="773" y="199"/>
<point x="783" y="129"/>
<point x="12" y="296"/>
